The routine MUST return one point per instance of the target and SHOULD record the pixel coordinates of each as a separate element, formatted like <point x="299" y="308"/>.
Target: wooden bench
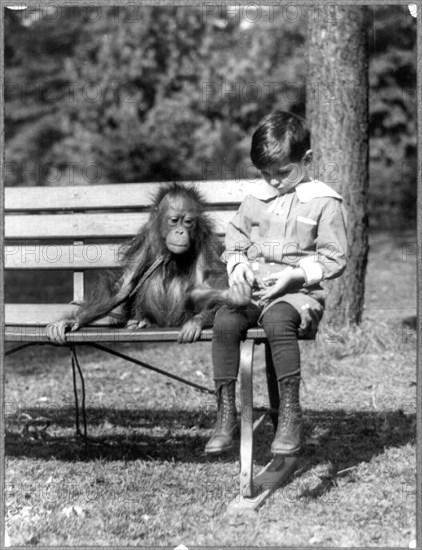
<point x="78" y="229"/>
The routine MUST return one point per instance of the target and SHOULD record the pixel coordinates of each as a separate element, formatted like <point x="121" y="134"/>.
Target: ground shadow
<point x="340" y="440"/>
<point x="342" y="437"/>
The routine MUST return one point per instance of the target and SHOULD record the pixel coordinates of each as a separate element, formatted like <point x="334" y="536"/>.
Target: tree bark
<point x="337" y="111"/>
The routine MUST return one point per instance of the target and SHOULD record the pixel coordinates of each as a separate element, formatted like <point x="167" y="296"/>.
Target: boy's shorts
<point x="309" y="309"/>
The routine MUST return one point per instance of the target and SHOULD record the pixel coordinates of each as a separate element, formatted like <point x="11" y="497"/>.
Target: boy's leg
<point x="230" y="326"/>
<point x="281" y="323"/>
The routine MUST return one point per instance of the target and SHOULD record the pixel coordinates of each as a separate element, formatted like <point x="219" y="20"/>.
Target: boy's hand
<point x="281" y="282"/>
<point x="281" y="279"/>
<point x="241" y="274"/>
<point x="310" y="319"/>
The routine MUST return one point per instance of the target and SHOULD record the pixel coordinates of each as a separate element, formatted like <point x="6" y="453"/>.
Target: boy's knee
<point x="281" y="320"/>
<point x="229" y="324"/>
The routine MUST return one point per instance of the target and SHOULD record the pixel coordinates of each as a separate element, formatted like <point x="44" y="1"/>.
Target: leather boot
<point x="226" y="425"/>
<point x="288" y="437"/>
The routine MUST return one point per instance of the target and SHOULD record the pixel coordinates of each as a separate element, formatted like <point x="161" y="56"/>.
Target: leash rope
<point x="159" y="261"/>
<point x="75" y="362"/>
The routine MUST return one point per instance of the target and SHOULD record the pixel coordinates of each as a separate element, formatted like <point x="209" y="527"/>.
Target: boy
<point x="297" y="238"/>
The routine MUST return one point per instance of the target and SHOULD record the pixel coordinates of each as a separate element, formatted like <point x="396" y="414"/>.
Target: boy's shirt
<point x="305" y="228"/>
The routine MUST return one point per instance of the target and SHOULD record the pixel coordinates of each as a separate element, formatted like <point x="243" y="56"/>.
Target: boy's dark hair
<point x="280" y="136"/>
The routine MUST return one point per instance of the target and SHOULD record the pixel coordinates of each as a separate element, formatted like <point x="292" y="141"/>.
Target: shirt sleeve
<point x="329" y="259"/>
<point x="238" y="236"/>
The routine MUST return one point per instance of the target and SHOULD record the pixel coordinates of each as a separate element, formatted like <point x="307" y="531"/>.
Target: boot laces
<point x="226" y="406"/>
<point x="290" y="411"/>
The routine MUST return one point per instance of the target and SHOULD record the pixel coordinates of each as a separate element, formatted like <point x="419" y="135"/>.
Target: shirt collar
<point x="315" y="189"/>
<point x="305" y="192"/>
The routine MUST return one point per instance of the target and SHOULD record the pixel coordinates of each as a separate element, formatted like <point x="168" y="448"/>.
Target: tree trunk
<point x="337" y="111"/>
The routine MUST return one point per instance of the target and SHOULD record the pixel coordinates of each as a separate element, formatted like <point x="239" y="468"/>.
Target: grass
<point x="148" y="483"/>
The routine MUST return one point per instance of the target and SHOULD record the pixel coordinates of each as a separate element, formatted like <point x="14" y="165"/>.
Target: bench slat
<point x="39" y="315"/>
<point x="129" y="195"/>
<point x="42" y="314"/>
<point x="36" y="314"/>
<point x="62" y="256"/>
<point x="37" y="334"/>
<point x="85" y="226"/>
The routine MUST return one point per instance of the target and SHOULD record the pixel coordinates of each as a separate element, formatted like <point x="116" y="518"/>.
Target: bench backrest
<point x="81" y="228"/>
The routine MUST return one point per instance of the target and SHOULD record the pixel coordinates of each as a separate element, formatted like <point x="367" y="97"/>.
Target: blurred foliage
<point x="115" y="94"/>
<point x="393" y="105"/>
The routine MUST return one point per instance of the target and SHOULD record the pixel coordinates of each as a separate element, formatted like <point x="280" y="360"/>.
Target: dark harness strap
<point x="159" y="261"/>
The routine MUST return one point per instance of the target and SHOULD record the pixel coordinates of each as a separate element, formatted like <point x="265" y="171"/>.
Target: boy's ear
<point x="307" y="157"/>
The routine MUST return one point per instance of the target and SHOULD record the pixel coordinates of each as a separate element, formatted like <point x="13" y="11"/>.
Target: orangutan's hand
<point x="190" y="331"/>
<point x="239" y="294"/>
<point x="241" y="274"/>
<point x="57" y="331"/>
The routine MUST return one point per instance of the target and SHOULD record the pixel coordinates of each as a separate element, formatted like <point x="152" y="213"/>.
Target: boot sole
<point x="219" y="451"/>
<point x="286" y="452"/>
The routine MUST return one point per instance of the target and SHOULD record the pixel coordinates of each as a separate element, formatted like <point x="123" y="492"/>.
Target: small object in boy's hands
<point x="264" y="274"/>
<point x="259" y="284"/>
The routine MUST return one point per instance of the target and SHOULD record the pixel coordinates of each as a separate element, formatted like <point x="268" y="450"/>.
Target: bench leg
<point x="246" y="426"/>
<point x="254" y="491"/>
<point x="272" y="476"/>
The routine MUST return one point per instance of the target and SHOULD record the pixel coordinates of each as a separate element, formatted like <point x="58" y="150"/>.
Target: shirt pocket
<point x="306" y="232"/>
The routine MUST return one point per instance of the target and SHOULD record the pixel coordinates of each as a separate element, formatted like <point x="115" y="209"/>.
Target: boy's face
<point x="284" y="176"/>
